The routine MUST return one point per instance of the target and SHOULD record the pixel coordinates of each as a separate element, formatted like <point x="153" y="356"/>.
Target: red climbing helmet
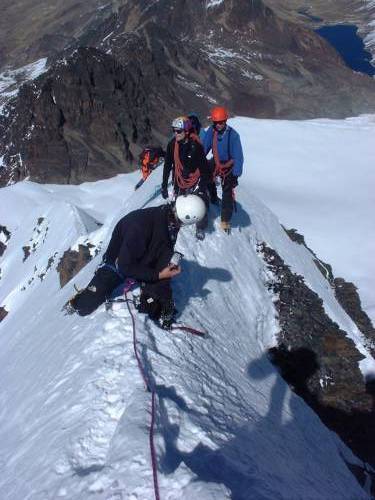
<point x="219" y="114"/>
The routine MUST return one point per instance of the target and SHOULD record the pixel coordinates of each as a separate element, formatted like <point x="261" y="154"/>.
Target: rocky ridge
<point x="319" y="361"/>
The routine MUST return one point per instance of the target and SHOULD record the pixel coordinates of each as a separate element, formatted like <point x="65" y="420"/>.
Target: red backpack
<point x="149" y="158"/>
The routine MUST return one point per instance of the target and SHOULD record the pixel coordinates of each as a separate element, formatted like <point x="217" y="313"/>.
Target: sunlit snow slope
<point x="74" y="415"/>
<point x="318" y="176"/>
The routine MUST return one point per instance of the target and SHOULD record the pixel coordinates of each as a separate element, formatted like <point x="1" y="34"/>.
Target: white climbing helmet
<point x="190" y="209"/>
<point x="181" y="123"/>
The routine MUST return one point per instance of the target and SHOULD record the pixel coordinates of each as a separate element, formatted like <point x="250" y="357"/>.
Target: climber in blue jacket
<point x="227" y="161"/>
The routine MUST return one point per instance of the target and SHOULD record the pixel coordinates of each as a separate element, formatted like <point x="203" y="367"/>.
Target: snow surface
<point x="318" y="176"/>
<point x="74" y="412"/>
<point x="213" y="3"/>
<point x="12" y="79"/>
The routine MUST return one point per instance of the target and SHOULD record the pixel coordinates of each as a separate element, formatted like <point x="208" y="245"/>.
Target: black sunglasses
<point x="178" y="130"/>
<point x="221" y="122"/>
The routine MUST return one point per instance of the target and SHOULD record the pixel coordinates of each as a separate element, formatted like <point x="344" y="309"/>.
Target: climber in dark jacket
<point x="142" y="243"/>
<point x="186" y="159"/>
<point x="141" y="248"/>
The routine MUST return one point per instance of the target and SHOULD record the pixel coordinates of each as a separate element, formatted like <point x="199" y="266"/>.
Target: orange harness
<point x="221" y="169"/>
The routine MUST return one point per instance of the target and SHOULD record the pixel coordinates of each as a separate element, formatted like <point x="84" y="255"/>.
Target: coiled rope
<point x="181" y="181"/>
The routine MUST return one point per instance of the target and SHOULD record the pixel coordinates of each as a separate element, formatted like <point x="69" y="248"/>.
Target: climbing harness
<point x="221" y="169"/>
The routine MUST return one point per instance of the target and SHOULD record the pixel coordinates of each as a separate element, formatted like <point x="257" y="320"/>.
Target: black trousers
<point x="228" y="184"/>
<point x="101" y="286"/>
<point x="157" y="299"/>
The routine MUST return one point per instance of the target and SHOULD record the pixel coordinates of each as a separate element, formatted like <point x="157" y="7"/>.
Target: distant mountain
<point x="117" y="78"/>
<point x="318" y="13"/>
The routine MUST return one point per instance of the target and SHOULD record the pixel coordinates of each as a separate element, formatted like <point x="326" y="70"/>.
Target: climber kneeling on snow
<point x="141" y="248"/>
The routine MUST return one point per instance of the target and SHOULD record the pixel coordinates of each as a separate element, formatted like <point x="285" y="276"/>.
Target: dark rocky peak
<point x="76" y="122"/>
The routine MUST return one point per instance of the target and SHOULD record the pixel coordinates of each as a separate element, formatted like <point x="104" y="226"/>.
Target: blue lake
<point x="344" y="38"/>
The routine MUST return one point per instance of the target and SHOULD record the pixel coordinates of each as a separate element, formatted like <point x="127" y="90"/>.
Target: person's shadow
<point x="356" y="429"/>
<point x="240" y="217"/>
<point x="191" y="283"/>
<point x="242" y="464"/>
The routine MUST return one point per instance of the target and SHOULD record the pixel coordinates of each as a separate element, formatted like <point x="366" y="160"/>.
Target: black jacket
<point x="192" y="157"/>
<point x="142" y="243"/>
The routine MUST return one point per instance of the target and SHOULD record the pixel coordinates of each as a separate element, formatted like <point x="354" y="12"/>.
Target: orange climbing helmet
<point x="219" y="114"/>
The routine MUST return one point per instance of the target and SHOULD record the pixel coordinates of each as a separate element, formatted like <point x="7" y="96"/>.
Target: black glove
<point x="164" y="192"/>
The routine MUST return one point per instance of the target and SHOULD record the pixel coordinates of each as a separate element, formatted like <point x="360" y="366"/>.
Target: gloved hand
<point x="164" y="192"/>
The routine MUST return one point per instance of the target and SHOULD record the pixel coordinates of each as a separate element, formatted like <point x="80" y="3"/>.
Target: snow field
<point x="74" y="412"/>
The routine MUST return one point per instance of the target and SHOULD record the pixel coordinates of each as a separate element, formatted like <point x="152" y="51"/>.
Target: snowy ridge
<point x="74" y="411"/>
<point x="318" y="177"/>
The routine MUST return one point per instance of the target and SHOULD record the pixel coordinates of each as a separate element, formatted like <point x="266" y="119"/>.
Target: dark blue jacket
<point x="229" y="147"/>
<point x="142" y="243"/>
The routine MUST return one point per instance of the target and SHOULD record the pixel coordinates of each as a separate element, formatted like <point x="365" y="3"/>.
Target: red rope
<point x="193" y="331"/>
<point x="153" y="404"/>
<point x="181" y="181"/>
<point x="152" y="447"/>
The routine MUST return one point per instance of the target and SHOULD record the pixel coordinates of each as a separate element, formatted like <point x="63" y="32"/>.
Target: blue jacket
<point x="229" y="147"/>
<point x="202" y="135"/>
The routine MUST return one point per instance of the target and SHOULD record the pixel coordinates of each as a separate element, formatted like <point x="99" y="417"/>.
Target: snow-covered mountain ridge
<point x="74" y="412"/>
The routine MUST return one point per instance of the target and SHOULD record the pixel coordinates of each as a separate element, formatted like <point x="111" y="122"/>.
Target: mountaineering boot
<point x="200" y="234"/>
<point x="87" y="300"/>
<point x="225" y="226"/>
<point x="167" y="316"/>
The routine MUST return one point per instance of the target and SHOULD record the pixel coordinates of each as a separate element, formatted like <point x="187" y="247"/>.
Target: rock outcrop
<point x="347" y="294"/>
<point x="72" y="262"/>
<point x="319" y="361"/>
<point x="3" y="313"/>
<point x="76" y="122"/>
<point x="4" y="237"/>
